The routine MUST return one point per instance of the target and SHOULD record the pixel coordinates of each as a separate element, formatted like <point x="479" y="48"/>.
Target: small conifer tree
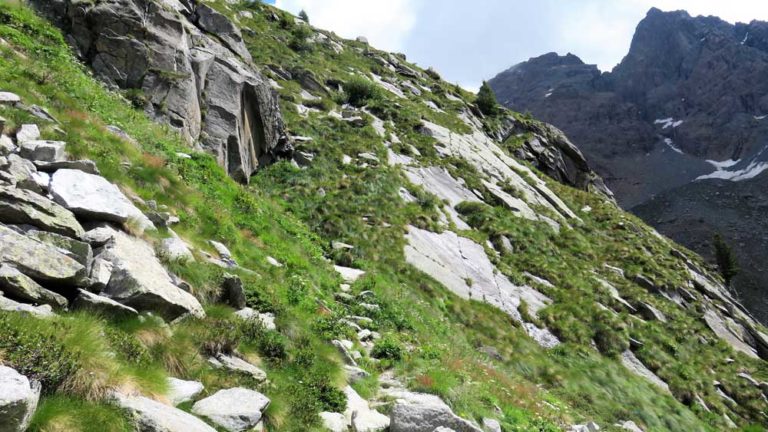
<point x="303" y="15"/>
<point x="726" y="259"/>
<point x="486" y="100"/>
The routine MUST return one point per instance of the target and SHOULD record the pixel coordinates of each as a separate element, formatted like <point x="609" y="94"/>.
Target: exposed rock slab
<point x="236" y="409"/>
<point x="238" y="365"/>
<point x="18" y="400"/>
<point x="15" y="284"/>
<point x="439" y="181"/>
<point x="637" y="367"/>
<point x="729" y="331"/>
<point x="19" y="206"/>
<point x="139" y="280"/>
<point x="463" y="267"/>
<point x="38" y="260"/>
<point x="8" y="305"/>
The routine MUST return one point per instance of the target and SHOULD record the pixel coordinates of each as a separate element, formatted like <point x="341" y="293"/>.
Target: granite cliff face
<point x="190" y="68"/>
<point x="683" y="116"/>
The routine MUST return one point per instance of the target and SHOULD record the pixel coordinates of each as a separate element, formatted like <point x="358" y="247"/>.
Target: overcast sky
<point x="469" y="41"/>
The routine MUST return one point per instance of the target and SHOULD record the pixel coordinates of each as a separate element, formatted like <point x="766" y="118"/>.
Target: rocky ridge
<point x="682" y="116"/>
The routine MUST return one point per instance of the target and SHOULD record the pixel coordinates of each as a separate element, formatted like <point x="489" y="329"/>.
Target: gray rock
<point x="41" y="113"/>
<point x="6" y="146"/>
<point x="93" y="197"/>
<point x="181" y="391"/>
<point x="239" y="365"/>
<point x="222" y="250"/>
<point x="151" y="416"/>
<point x="344" y="350"/>
<point x="417" y="412"/>
<point x="629" y="426"/>
<point x="19" y="286"/>
<point x="101" y="272"/>
<point x="19" y="172"/>
<point x="361" y="416"/>
<point x="38" y="260"/>
<point x="8" y="98"/>
<point x="651" y="313"/>
<point x="75" y="249"/>
<point x="236" y="409"/>
<point x="18" y="400"/>
<point x="18" y="206"/>
<point x="84" y="165"/>
<point x="187" y="63"/>
<point x="213" y="22"/>
<point x="44" y="151"/>
<point x="631" y="362"/>
<point x="362" y="39"/>
<point x="463" y="267"/>
<point x="266" y="319"/>
<point x="27" y="132"/>
<point x="334" y="422"/>
<point x="491" y="425"/>
<point x="349" y="275"/>
<point x="139" y="280"/>
<point x="232" y="292"/>
<point x="355" y="374"/>
<point x="175" y="249"/>
<point x="101" y="305"/>
<point x="99" y="235"/>
<point x="43" y="311"/>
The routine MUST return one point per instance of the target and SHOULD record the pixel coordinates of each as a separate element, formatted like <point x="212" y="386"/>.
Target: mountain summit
<point x="678" y="129"/>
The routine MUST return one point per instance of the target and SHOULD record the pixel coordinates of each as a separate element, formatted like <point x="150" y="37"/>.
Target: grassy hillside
<point x="433" y="340"/>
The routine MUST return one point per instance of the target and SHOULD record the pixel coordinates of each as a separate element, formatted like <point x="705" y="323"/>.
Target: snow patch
<point x="760" y="117"/>
<point x="671" y="145"/>
<point x="751" y="171"/>
<point x="549" y="93"/>
<point x="723" y="164"/>
<point x="668" y="122"/>
<point x="745" y="38"/>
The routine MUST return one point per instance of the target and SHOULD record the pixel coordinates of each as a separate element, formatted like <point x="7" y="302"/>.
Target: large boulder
<point x="181" y="391"/>
<point x="236" y="364"/>
<point x="93" y="197"/>
<point x="361" y="416"/>
<point x="38" y="260"/>
<point x="18" y="400"/>
<point x="19" y="206"/>
<point x="8" y="305"/>
<point x="139" y="280"/>
<point x="151" y="416"/>
<point x="17" y="285"/>
<point x="418" y="412"/>
<point x="236" y="409"/>
<point x="193" y="68"/>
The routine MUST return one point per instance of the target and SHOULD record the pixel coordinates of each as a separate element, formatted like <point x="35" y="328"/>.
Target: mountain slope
<point x="504" y="293"/>
<point x="685" y="105"/>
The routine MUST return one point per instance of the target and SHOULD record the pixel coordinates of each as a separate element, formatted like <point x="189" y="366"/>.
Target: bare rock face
<point x="193" y="67"/>
<point x="18" y="400"/>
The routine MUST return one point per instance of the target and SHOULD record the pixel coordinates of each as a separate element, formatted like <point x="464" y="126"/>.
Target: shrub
<point x="35" y="352"/>
<point x="359" y="91"/>
<point x="303" y="15"/>
<point x="387" y="348"/>
<point x="300" y="39"/>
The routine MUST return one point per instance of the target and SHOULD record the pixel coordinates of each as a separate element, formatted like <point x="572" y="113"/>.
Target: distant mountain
<point x="678" y="129"/>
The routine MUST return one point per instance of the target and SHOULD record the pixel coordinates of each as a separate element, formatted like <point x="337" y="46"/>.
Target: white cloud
<point x="386" y="23"/>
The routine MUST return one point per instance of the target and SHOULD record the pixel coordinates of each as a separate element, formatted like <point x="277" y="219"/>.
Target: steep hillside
<point x="407" y="265"/>
<point x="685" y="108"/>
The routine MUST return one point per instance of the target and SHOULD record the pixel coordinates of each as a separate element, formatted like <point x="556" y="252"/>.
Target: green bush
<point x="486" y="100"/>
<point x="300" y="39"/>
<point x="388" y="348"/>
<point x="359" y="91"/>
<point x="35" y="352"/>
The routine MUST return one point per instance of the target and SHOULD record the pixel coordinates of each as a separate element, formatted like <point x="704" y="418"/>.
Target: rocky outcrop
<point x="18" y="400"/>
<point x="181" y="391"/>
<point x="417" y="412"/>
<point x="677" y="130"/>
<point x="193" y="68"/>
<point x="20" y="206"/>
<point x="38" y="260"/>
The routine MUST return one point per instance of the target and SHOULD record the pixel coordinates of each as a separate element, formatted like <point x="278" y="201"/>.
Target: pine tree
<point x="486" y="100"/>
<point x="726" y="259"/>
<point x="303" y="15"/>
